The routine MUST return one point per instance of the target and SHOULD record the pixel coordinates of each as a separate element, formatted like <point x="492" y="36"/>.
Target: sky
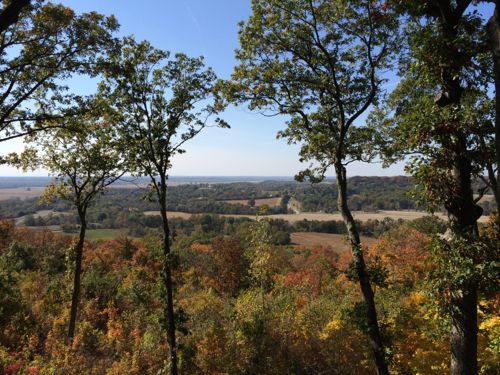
<point x="208" y="28"/>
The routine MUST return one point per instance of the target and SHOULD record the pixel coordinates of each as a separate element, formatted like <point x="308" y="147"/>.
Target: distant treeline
<point x="205" y="226"/>
<point x="365" y="194"/>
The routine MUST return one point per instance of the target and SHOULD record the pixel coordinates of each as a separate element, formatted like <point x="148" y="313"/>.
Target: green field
<point x="100" y="234"/>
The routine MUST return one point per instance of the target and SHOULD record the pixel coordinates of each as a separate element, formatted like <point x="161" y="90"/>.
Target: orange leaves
<point x="313" y="270"/>
<point x="403" y="252"/>
<point x="202" y="248"/>
<point x="105" y="254"/>
<point x="230" y="265"/>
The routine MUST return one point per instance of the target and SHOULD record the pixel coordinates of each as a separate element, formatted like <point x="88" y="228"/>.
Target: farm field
<point x="34" y="192"/>
<point x="41" y="213"/>
<point x="91" y="234"/>
<point x="358" y="215"/>
<point x="21" y="193"/>
<point x="337" y="242"/>
<point x="100" y="234"/>
<point x="321" y="216"/>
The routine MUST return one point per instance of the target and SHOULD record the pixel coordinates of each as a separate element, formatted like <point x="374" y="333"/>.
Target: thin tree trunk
<point x="167" y="279"/>
<point x="76" y="279"/>
<point x="359" y="264"/>
<point x="493" y="181"/>
<point x="493" y="29"/>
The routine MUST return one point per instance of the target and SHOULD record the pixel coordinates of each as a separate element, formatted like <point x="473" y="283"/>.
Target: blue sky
<point x="208" y="28"/>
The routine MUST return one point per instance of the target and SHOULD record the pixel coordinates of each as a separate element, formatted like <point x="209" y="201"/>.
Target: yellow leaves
<point x="49" y="194"/>
<point x="334" y="325"/>
<point x="331" y="327"/>
<point x="490" y="324"/>
<point x="258" y="89"/>
<point x="416" y="298"/>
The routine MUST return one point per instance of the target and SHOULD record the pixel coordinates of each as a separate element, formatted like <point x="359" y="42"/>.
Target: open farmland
<point x="41" y="213"/>
<point x="358" y="215"/>
<point x="104" y="234"/>
<point x="338" y="242"/>
<point x="320" y="216"/>
<point x="20" y="193"/>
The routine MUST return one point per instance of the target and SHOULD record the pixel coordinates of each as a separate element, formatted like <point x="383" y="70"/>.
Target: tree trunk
<point x="167" y="278"/>
<point x="463" y="213"/>
<point x="462" y="210"/>
<point x="493" y="29"/>
<point x="10" y="14"/>
<point x="464" y="333"/>
<point x="364" y="280"/>
<point x="76" y="279"/>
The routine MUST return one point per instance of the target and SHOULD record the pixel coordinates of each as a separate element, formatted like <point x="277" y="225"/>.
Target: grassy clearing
<point x="99" y="234"/>
<point x="321" y="216"/>
<point x="338" y="242"/>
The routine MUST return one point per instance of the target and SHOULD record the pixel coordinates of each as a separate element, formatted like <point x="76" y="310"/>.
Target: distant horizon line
<point x="205" y="176"/>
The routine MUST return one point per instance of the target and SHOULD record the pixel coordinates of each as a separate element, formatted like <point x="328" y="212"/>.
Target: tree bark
<point x="493" y="29"/>
<point x="464" y="333"/>
<point x="76" y="279"/>
<point x="360" y="267"/>
<point x="10" y="14"/>
<point x="463" y="213"/>
<point x="167" y="278"/>
<point x="460" y="205"/>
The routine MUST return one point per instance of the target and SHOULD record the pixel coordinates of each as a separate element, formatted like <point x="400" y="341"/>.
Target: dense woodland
<point x="297" y="312"/>
<point x="216" y="295"/>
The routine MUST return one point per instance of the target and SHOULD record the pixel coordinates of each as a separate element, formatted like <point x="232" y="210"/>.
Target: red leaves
<point x="12" y="369"/>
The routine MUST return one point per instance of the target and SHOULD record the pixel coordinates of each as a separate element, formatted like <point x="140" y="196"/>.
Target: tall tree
<point x="161" y="103"/>
<point x="84" y="158"/>
<point x="48" y="45"/>
<point x="319" y="62"/>
<point x="441" y="113"/>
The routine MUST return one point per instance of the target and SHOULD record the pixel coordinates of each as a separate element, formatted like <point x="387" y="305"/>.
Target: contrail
<point x="196" y="24"/>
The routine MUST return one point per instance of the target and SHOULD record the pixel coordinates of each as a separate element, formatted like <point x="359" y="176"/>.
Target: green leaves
<point x="46" y="47"/>
<point x="84" y="157"/>
<point x="318" y="63"/>
<point x="424" y="119"/>
<point x="461" y="261"/>
<point x="159" y="102"/>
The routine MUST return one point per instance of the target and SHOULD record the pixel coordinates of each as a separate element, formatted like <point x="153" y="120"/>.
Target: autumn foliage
<point x="307" y="319"/>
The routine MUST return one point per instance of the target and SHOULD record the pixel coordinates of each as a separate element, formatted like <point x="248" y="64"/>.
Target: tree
<point x="441" y="114"/>
<point x="48" y="45"/>
<point x="230" y="266"/>
<point x="160" y="104"/>
<point x="319" y="63"/>
<point x="85" y="159"/>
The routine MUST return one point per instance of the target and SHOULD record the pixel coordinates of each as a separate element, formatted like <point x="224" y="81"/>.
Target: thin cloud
<point x="196" y="24"/>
